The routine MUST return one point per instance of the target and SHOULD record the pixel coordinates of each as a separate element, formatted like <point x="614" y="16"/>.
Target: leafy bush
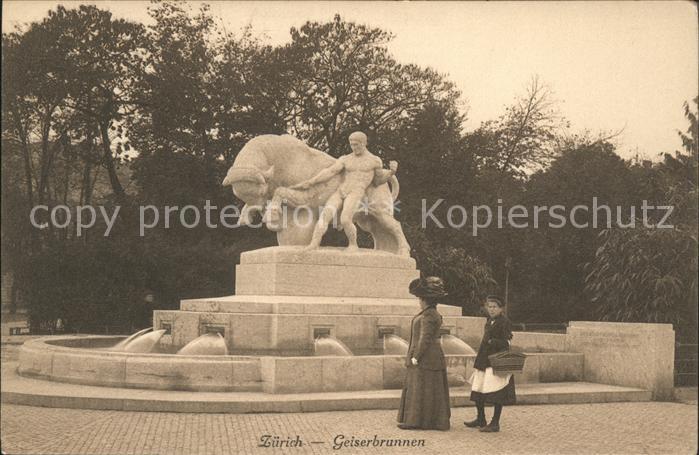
<point x="645" y="275"/>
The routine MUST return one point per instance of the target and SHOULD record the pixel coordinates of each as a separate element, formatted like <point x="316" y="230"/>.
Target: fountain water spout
<point x="328" y="345"/>
<point x="143" y="343"/>
<point x="454" y="345"/>
<point x="394" y="345"/>
<point x="120" y="345"/>
<point x="207" y="344"/>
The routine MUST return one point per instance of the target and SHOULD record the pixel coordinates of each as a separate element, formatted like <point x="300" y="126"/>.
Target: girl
<point x="487" y="386"/>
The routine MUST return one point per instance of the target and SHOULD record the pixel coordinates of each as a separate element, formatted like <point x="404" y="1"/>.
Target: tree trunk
<point x="87" y="181"/>
<point x="85" y="184"/>
<point x="28" y="174"/>
<point x="108" y="161"/>
<point x="69" y="161"/>
<point x="46" y="160"/>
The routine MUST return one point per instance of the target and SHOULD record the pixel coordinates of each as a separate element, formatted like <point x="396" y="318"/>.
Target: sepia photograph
<point x="349" y="227"/>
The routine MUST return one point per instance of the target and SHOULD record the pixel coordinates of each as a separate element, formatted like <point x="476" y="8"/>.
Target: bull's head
<point x="251" y="185"/>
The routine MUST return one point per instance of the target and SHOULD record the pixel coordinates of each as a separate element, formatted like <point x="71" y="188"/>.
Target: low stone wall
<point x="538" y="342"/>
<point x="338" y="374"/>
<point x="626" y="354"/>
<point x="335" y="374"/>
<point x="71" y="360"/>
<point x="551" y="367"/>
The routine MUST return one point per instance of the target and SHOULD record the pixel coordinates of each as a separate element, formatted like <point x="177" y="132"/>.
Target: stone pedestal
<point x="327" y="272"/>
<point x="286" y="297"/>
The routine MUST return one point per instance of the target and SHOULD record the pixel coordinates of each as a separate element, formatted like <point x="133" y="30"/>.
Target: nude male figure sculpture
<point x="360" y="169"/>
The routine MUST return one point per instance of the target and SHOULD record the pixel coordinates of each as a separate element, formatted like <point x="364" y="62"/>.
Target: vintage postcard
<point x="349" y="227"/>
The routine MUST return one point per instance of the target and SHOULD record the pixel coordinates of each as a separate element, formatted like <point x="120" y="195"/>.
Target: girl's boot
<point x="494" y="425"/>
<point x="480" y="421"/>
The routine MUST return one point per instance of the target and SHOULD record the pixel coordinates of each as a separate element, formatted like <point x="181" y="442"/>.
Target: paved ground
<point x="610" y="428"/>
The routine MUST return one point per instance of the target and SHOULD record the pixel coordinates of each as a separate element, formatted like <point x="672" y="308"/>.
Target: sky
<point x="612" y="66"/>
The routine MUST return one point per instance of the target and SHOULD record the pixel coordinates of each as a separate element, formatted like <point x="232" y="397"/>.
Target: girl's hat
<point x="496" y="299"/>
<point x="432" y="286"/>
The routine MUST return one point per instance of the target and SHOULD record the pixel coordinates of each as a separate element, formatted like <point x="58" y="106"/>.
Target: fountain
<point x="456" y="346"/>
<point x="266" y="336"/>
<point x="207" y="344"/>
<point x="337" y="320"/>
<point x="354" y="316"/>
<point x="120" y="345"/>
<point x="394" y="345"/>
<point x="143" y="343"/>
<point x="328" y="345"/>
<point x="274" y="335"/>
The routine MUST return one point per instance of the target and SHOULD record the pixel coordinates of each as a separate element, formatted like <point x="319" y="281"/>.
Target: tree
<point x="341" y="77"/>
<point x="650" y="275"/>
<point x="81" y="67"/>
<point x="68" y="80"/>
<point x="428" y="145"/>
<point x="690" y="139"/>
<point x="681" y="173"/>
<point x="524" y="138"/>
<point x="247" y="91"/>
<point x="468" y="280"/>
<point x="65" y="80"/>
<point x="32" y="95"/>
<point x="105" y="58"/>
<point x="205" y="93"/>
<point x="643" y="275"/>
<point x="548" y="274"/>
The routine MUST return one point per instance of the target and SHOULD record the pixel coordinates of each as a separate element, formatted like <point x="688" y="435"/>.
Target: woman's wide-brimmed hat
<point x="430" y="287"/>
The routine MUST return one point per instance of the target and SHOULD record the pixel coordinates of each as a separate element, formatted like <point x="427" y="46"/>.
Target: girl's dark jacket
<point x="496" y="337"/>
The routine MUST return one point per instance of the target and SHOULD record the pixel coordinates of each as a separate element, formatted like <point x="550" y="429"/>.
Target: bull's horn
<point x="243" y="174"/>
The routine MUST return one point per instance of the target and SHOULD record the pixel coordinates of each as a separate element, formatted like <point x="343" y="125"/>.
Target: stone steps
<point x="33" y="392"/>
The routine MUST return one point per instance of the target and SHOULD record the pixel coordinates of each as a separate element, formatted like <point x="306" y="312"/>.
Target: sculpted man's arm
<point x="382" y="176"/>
<point x="322" y="176"/>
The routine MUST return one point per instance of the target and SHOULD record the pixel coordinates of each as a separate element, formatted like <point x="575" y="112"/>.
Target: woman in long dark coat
<point x="488" y="387"/>
<point x="424" y="403"/>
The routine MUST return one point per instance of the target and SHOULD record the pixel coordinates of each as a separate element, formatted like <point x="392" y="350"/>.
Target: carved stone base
<point x="326" y="271"/>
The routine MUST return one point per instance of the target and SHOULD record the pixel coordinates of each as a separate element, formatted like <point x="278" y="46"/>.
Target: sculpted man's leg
<point x="333" y="204"/>
<point x="350" y="208"/>
<point x="396" y="230"/>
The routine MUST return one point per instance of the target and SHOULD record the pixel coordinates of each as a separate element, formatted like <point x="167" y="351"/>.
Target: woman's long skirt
<point x="492" y="388"/>
<point x="425" y="400"/>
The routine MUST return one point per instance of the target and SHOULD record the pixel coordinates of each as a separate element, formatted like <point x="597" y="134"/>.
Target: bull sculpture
<point x="268" y="168"/>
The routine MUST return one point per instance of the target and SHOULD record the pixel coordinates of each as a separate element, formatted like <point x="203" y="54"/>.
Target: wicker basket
<point x="507" y="362"/>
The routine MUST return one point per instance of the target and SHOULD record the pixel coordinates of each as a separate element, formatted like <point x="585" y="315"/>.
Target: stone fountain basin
<point x="84" y="360"/>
